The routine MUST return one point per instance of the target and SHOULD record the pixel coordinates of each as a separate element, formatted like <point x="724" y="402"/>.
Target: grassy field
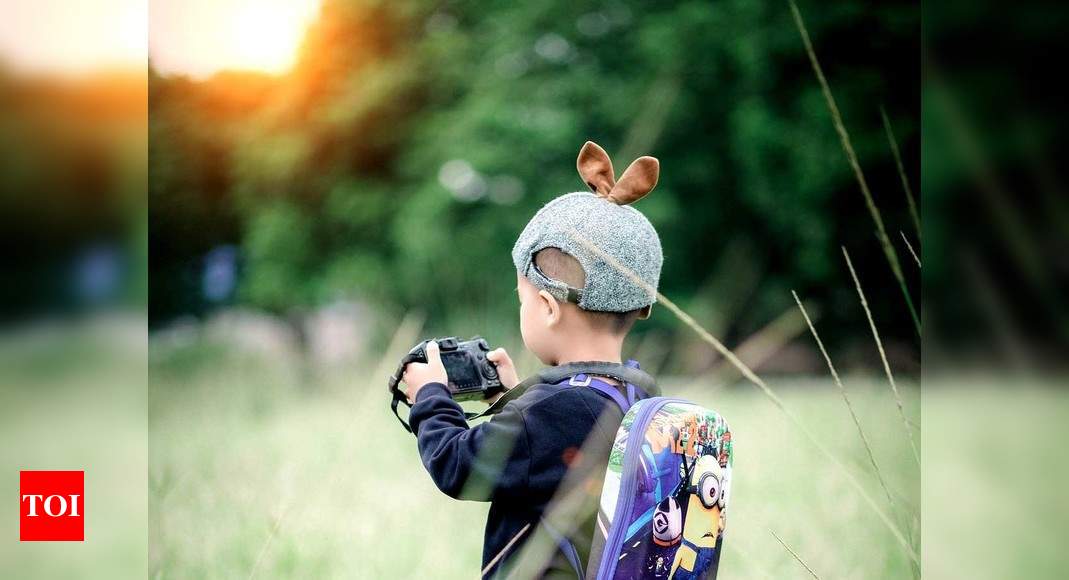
<point x="72" y="397"/>
<point x="257" y="471"/>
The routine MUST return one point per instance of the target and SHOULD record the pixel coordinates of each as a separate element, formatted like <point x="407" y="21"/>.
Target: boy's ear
<point x="638" y="179"/>
<point x="645" y="312"/>
<point x="550" y="306"/>
<point x="596" y="169"/>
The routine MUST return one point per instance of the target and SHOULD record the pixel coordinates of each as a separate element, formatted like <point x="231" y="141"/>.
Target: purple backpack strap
<point x="634" y="394"/>
<point x="609" y="390"/>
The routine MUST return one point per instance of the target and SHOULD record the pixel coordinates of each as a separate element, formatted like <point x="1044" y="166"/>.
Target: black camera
<point x="471" y="375"/>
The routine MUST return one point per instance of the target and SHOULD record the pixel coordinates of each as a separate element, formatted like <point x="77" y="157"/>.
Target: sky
<point x="72" y="37"/>
<point x="202" y="37"/>
<point x="192" y="37"/>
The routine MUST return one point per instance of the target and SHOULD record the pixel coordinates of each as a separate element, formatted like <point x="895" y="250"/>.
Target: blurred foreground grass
<point x="72" y="397"/>
<point x="255" y="471"/>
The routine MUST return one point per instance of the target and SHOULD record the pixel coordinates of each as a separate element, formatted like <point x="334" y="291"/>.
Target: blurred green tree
<point x="400" y="158"/>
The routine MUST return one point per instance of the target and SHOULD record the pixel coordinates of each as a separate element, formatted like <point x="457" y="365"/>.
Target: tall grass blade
<point x="795" y="554"/>
<point x="756" y="380"/>
<point x="505" y="550"/>
<point x="910" y="248"/>
<point x="883" y="356"/>
<point x="846" y="399"/>
<point x="267" y="543"/>
<point x="853" y="415"/>
<point x="913" y="213"/>
<point x="851" y="155"/>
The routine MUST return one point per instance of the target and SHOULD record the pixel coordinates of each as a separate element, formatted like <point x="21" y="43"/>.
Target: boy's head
<point x="588" y="265"/>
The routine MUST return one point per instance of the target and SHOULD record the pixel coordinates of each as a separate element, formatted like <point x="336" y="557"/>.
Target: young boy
<point x="587" y="268"/>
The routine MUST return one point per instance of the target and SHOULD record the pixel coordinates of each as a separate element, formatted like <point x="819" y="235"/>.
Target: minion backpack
<point x="664" y="496"/>
<point x="664" y="500"/>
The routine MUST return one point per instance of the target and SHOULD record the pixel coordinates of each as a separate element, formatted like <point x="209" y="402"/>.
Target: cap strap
<point x="556" y="288"/>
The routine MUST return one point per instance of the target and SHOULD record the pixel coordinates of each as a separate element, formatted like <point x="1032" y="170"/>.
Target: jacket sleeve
<point x="481" y="463"/>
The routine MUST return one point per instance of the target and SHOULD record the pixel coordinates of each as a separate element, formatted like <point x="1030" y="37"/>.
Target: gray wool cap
<point x="577" y="223"/>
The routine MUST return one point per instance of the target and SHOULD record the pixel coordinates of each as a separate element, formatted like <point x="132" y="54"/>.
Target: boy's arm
<point x="474" y="463"/>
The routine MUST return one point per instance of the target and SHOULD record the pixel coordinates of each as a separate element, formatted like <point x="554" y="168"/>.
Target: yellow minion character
<point x="703" y="523"/>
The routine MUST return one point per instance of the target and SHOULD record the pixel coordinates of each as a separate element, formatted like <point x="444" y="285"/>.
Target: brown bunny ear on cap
<point x="596" y="169"/>
<point x="638" y="179"/>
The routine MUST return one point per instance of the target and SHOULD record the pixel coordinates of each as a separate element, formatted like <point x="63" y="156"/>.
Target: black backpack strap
<point x="549" y="375"/>
<point x="553" y="375"/>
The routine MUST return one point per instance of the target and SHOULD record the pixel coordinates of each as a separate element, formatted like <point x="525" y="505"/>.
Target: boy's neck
<point x="593" y="348"/>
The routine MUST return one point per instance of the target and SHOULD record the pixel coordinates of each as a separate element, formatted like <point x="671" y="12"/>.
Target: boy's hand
<point x="506" y="370"/>
<point x="419" y="374"/>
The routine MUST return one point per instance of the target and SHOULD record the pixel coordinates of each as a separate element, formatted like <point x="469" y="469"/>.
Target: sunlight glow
<point x="202" y="37"/>
<point x="74" y="38"/>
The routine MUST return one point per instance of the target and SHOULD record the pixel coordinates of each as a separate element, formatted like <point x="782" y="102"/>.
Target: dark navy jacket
<point x="517" y="459"/>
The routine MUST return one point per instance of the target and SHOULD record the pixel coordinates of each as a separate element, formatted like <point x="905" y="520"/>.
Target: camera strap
<point x="397" y="400"/>
<point x="398" y="396"/>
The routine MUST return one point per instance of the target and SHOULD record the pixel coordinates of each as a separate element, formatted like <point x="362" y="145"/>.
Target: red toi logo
<point x="51" y="506"/>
